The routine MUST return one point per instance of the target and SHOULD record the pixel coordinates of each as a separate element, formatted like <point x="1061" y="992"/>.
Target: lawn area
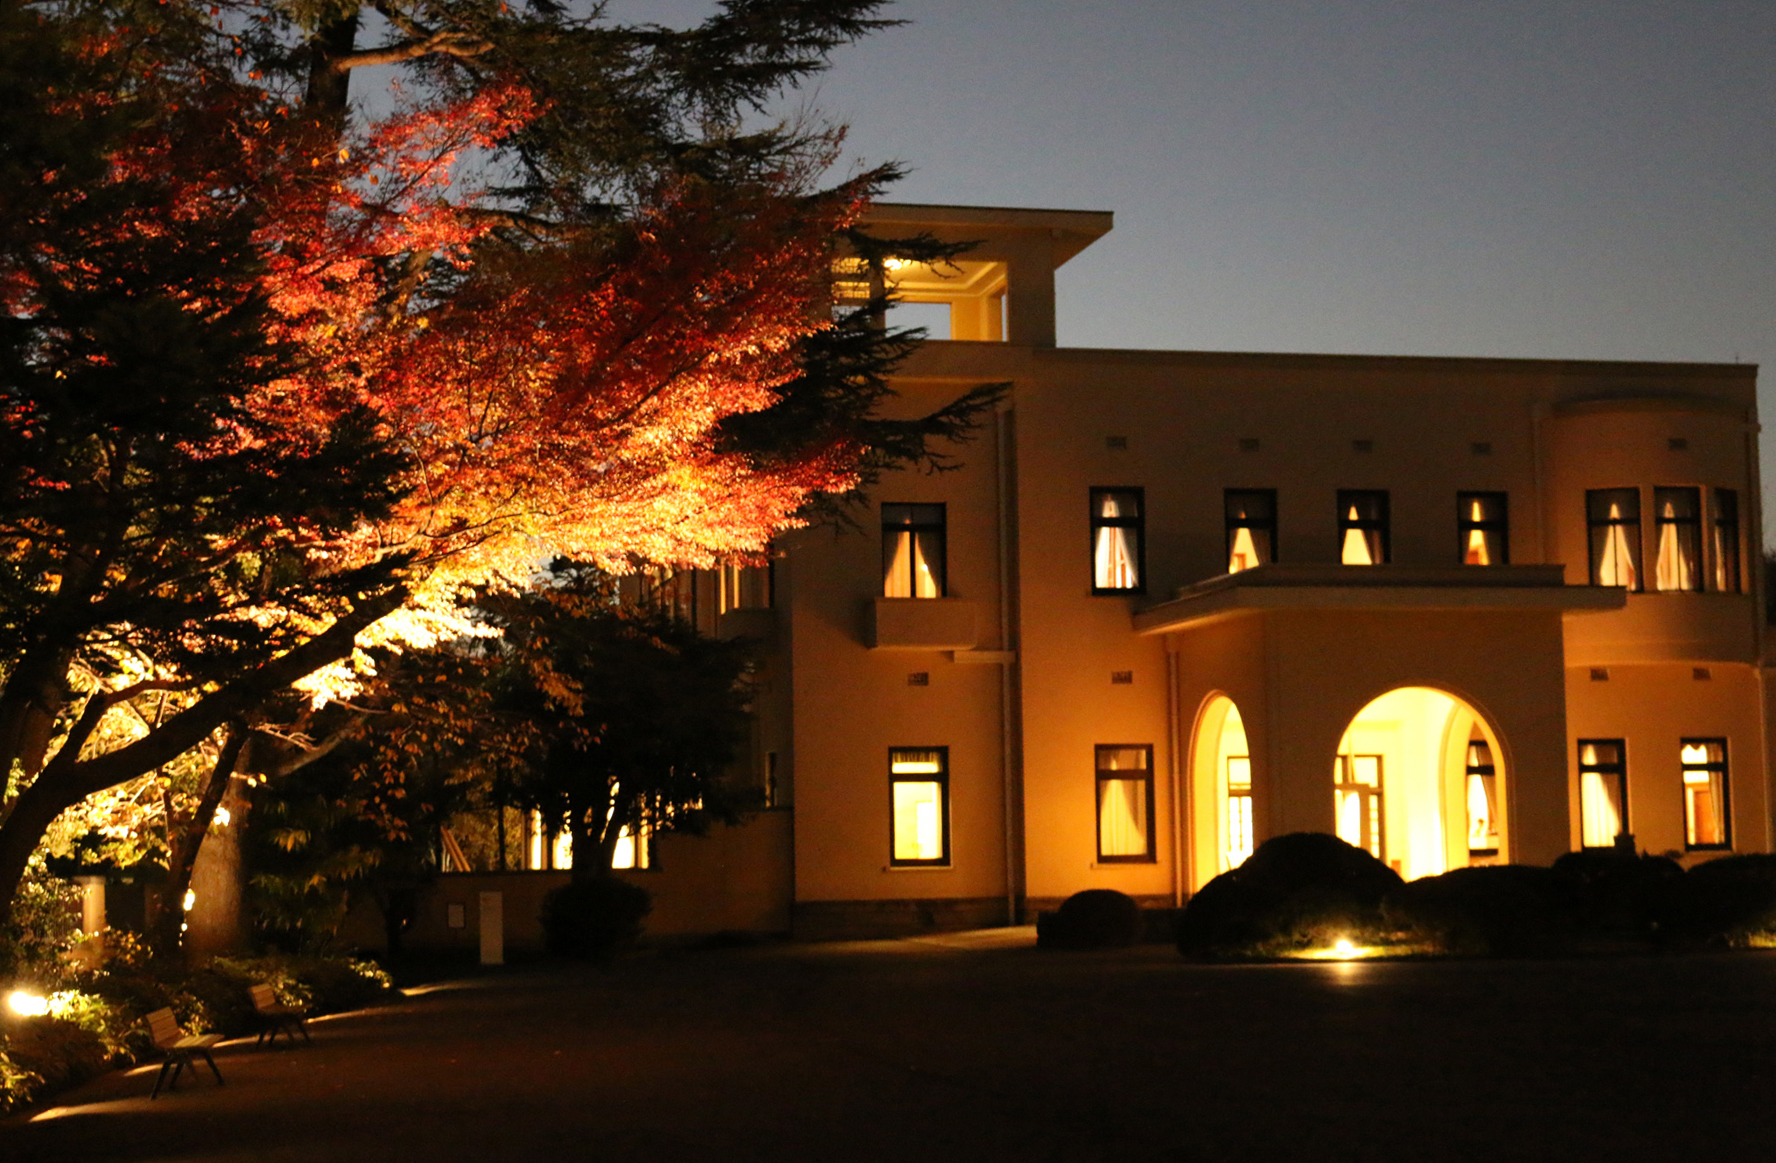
<point x="981" y="1047"/>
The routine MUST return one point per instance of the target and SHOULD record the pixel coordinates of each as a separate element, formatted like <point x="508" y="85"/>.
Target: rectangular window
<point x="1603" y="792"/>
<point x="1705" y="794"/>
<point x="1251" y="527"/>
<point x="912" y="551"/>
<point x="1125" y="803"/>
<point x="1481" y="520"/>
<point x="1726" y="541"/>
<point x="1483" y="836"/>
<point x="1613" y="520"/>
<point x="1362" y="527"/>
<point x="1239" y="809"/>
<point x="1677" y="518"/>
<point x="1356" y="802"/>
<point x="1116" y="536"/>
<point x="919" y="789"/>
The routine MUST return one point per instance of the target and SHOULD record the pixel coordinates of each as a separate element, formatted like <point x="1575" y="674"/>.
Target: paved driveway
<point x="983" y="1048"/>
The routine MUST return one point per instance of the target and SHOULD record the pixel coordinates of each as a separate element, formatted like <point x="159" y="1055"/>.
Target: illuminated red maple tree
<point x="275" y="372"/>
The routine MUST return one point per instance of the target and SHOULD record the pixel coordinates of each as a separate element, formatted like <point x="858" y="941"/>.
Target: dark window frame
<point x="1464" y="524"/>
<point x="1620" y="770"/>
<point x="942" y="779"/>
<point x="1347" y="500"/>
<point x="1724" y="523"/>
<point x="1233" y="523"/>
<point x="1100" y="774"/>
<point x="1726" y="791"/>
<point x="1489" y="771"/>
<point x="915" y="527"/>
<point x="1692" y="523"/>
<point x="1138" y="523"/>
<point x="1593" y="523"/>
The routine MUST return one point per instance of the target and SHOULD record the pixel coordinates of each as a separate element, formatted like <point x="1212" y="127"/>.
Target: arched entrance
<point x="1419" y="782"/>
<point x="1221" y="778"/>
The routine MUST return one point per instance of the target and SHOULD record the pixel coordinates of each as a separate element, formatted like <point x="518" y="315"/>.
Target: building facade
<point x="1456" y="611"/>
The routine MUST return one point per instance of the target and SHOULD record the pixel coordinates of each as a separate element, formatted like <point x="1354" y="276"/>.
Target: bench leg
<point x="169" y="1074"/>
<point x="212" y="1062"/>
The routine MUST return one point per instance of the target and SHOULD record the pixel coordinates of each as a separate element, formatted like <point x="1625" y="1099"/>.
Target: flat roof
<point x="1073" y="229"/>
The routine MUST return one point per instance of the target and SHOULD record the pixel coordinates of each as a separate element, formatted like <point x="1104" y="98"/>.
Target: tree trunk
<point x="329" y="87"/>
<point x="184" y="841"/>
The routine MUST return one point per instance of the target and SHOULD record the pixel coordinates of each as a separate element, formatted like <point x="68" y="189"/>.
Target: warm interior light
<point x="895" y="264"/>
<point x="1344" y="948"/>
<point x="27" y="1005"/>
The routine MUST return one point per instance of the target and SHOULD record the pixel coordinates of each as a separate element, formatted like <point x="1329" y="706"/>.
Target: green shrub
<point x="1298" y="891"/>
<point x="1098" y="918"/>
<point x="591" y="918"/>
<point x="1496" y="909"/>
<point x="1620" y="895"/>
<point x="1730" y="901"/>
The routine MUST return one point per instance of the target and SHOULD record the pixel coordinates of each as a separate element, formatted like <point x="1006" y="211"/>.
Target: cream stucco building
<point x="1455" y="610"/>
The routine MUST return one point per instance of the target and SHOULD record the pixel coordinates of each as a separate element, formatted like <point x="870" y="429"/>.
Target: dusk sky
<point x="1530" y="178"/>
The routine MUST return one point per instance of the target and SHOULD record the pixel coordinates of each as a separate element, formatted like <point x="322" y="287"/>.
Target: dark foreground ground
<point x="975" y="1049"/>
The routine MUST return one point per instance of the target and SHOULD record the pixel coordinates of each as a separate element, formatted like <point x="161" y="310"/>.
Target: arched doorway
<point x="1221" y="778"/>
<point x="1419" y="782"/>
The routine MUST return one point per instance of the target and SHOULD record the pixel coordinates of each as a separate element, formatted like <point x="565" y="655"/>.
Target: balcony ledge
<point x="1376" y="587"/>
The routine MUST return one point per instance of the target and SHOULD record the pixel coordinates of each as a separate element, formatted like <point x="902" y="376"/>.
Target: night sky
<point x="1529" y="178"/>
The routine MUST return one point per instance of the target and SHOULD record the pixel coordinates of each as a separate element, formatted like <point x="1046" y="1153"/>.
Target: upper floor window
<point x="1251" y="527"/>
<point x="1117" y="534"/>
<point x="1612" y="517"/>
<point x="1726" y="541"/>
<point x="912" y="551"/>
<point x="1603" y="792"/>
<point x="1705" y="793"/>
<point x="1677" y="517"/>
<point x="1362" y="526"/>
<point x="1125" y="803"/>
<point x="1481" y="519"/>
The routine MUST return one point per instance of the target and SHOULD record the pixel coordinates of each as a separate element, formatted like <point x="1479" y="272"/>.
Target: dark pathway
<point x="930" y="1052"/>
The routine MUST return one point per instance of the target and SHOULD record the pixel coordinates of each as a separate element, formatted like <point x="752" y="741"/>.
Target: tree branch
<point x="456" y="44"/>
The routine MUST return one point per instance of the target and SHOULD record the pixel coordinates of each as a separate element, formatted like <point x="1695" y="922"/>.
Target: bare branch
<point x="456" y="44"/>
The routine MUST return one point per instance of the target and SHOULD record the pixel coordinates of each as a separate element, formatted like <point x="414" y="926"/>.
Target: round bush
<point x="1297" y="891"/>
<point x="1496" y="909"/>
<point x="1098" y="918"/>
<point x="590" y="918"/>
<point x="1723" y="901"/>
<point x="1620" y="895"/>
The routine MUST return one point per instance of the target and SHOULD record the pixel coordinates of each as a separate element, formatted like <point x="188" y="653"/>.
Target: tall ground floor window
<point x="1239" y="809"/>
<point x="1357" y="803"/>
<point x="1125" y="802"/>
<point x="919" y="793"/>
<point x="1483" y="836"/>
<point x="1705" y="793"/>
<point x="1603" y="792"/>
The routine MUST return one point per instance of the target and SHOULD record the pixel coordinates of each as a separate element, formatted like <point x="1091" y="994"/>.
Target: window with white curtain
<point x="1251" y="527"/>
<point x="1483" y="836"/>
<point x="919" y="799"/>
<point x="1612" y="517"/>
<point x="912" y="551"/>
<point x="1363" y="527"/>
<point x="1677" y="519"/>
<point x="1125" y="802"/>
<point x="1482" y="526"/>
<point x="1117" y="528"/>
<point x="1726" y="541"/>
<point x="1705" y="793"/>
<point x="1239" y="810"/>
<point x="1603" y="792"/>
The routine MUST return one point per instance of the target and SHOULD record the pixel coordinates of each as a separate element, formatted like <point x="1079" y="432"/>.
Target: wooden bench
<point x="181" y="1049"/>
<point x="275" y="1016"/>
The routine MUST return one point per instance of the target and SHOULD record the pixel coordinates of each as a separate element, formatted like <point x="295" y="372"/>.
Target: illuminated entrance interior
<point x="1417" y="782"/>
<point x="1221" y="774"/>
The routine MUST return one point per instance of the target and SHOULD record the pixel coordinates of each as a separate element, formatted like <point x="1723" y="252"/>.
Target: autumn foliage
<point x="280" y="376"/>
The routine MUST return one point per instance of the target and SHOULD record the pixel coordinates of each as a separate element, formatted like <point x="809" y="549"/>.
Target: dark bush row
<point x="1308" y="890"/>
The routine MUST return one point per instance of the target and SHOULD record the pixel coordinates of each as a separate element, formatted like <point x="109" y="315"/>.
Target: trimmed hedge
<point x="1098" y="918"/>
<point x="1298" y="891"/>
<point x="593" y="917"/>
